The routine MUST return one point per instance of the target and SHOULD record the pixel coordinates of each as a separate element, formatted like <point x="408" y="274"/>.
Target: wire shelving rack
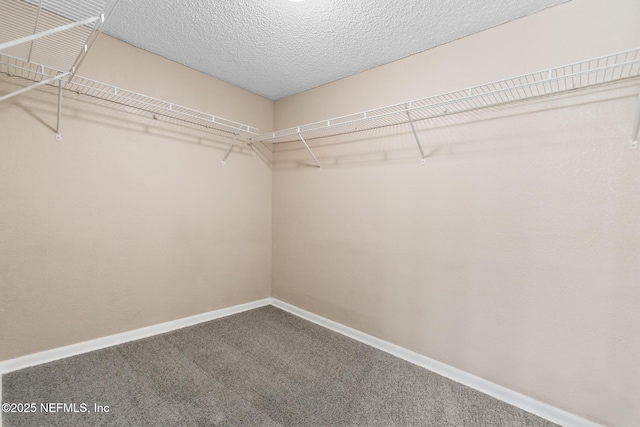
<point x="602" y="70"/>
<point x="58" y="33"/>
<point x="45" y="41"/>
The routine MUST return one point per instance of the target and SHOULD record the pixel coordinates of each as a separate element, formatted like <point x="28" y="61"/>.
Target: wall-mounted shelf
<point x="123" y="97"/>
<point x="54" y="33"/>
<point x="580" y="75"/>
<point x="45" y="41"/>
<point x="58" y="33"/>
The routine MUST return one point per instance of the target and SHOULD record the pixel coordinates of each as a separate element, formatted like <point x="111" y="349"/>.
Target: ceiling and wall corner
<point x="278" y="48"/>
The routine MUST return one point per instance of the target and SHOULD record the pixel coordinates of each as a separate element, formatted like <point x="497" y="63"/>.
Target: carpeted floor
<point x="263" y="367"/>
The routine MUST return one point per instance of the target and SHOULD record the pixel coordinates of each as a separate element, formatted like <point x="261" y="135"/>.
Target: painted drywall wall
<point x="513" y="252"/>
<point x="128" y="221"/>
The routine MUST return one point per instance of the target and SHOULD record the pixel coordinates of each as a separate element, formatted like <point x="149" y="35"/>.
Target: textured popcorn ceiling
<point x="277" y="48"/>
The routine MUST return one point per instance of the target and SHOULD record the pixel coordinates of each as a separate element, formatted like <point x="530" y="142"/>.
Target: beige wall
<point x="513" y="253"/>
<point x="127" y="222"/>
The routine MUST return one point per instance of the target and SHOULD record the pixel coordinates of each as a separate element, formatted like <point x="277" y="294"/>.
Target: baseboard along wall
<point x="121" y="338"/>
<point x="504" y="394"/>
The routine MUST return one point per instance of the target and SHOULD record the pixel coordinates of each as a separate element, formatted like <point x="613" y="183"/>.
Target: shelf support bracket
<point x="233" y="143"/>
<point x="415" y="135"/>
<point x="33" y="86"/>
<point x="58" y="135"/>
<point x="307" y="145"/>
<point x="636" y="127"/>
<point x="35" y="27"/>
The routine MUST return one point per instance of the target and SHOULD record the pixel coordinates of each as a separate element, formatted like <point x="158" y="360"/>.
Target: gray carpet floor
<point x="263" y="367"/>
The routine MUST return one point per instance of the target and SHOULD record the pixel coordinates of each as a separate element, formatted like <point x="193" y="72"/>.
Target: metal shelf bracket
<point x="415" y="135"/>
<point x="307" y="145"/>
<point x="636" y="127"/>
<point x="58" y="135"/>
<point x="33" y="86"/>
<point x="233" y="143"/>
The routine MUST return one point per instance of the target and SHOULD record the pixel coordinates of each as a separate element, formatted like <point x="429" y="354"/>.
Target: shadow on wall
<point x="497" y="128"/>
<point x="41" y="105"/>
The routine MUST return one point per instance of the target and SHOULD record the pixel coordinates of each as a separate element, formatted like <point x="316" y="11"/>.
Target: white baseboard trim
<point x="511" y="397"/>
<point x="111" y="340"/>
<point x="504" y="394"/>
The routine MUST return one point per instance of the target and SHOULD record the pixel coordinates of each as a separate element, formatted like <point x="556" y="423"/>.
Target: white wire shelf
<point x="590" y="73"/>
<point x="45" y="41"/>
<point x="56" y="33"/>
<point x="16" y="67"/>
